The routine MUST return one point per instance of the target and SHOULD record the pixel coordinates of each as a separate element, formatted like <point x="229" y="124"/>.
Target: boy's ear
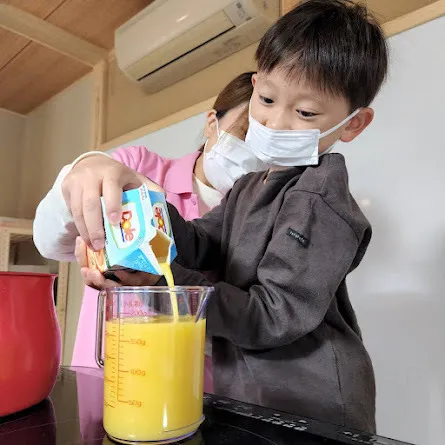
<point x="357" y="124"/>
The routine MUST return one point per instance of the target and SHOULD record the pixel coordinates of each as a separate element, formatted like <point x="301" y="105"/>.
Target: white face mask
<point x="228" y="160"/>
<point x="288" y="148"/>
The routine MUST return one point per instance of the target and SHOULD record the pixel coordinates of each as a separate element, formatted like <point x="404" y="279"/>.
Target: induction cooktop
<point x="56" y="421"/>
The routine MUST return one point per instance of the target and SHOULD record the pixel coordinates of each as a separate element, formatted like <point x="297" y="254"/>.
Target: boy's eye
<point x="305" y="114"/>
<point x="266" y="100"/>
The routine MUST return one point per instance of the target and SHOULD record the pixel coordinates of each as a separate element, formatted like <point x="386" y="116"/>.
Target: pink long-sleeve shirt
<point x="175" y="176"/>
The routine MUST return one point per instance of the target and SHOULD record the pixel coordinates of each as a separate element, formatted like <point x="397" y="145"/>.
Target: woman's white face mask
<point x="228" y="160"/>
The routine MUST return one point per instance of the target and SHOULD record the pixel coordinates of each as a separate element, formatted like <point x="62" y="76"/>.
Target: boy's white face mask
<point x="228" y="160"/>
<point x="288" y="148"/>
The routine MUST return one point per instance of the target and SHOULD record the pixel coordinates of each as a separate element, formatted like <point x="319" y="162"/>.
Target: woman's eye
<point x="305" y="114"/>
<point x="266" y="100"/>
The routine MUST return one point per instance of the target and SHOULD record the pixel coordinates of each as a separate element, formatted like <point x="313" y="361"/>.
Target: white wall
<point x="397" y="173"/>
<point x="56" y="133"/>
<point x="12" y="128"/>
<point x="176" y="140"/>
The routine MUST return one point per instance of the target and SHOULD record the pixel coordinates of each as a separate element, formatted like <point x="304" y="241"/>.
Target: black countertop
<point x="72" y="415"/>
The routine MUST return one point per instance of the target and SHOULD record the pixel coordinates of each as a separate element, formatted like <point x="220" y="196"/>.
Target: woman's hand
<point x="94" y="279"/>
<point x="93" y="177"/>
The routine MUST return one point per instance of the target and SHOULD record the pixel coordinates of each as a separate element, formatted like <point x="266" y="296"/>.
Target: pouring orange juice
<point x="142" y="241"/>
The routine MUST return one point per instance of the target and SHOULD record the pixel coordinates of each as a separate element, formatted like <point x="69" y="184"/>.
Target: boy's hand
<point x="91" y="178"/>
<point x="96" y="280"/>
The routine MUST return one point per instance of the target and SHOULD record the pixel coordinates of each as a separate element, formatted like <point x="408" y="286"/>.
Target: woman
<point x="194" y="184"/>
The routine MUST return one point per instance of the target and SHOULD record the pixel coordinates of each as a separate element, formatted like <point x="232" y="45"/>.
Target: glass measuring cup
<point x="154" y="362"/>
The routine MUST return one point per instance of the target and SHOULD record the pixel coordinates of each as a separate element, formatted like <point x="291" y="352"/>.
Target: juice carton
<point x="143" y="239"/>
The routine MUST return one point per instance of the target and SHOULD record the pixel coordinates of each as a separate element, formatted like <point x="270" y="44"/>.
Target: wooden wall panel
<point x="415" y="18"/>
<point x="287" y="5"/>
<point x="389" y="10"/>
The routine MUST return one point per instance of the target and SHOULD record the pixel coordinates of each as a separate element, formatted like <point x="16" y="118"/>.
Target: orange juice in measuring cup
<point x="154" y="362"/>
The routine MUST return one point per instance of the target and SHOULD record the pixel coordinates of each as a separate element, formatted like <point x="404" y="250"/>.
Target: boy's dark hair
<point x="334" y="44"/>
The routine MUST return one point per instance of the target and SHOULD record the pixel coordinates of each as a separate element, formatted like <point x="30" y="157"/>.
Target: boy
<point x="284" y="332"/>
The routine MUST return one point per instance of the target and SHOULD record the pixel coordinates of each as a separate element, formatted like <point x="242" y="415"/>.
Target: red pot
<point x="30" y="346"/>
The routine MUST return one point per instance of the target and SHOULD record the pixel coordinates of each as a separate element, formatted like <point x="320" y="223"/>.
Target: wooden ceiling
<point x="31" y="73"/>
<point x="387" y="10"/>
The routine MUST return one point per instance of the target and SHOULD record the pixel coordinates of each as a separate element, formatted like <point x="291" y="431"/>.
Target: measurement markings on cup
<point x="122" y="373"/>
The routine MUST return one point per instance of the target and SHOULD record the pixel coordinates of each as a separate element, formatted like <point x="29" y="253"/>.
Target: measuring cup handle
<point x="100" y="327"/>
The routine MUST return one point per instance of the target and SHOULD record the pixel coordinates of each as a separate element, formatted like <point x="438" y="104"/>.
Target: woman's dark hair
<point x="236" y="92"/>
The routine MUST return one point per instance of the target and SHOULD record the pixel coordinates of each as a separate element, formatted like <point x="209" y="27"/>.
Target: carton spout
<point x="160" y="245"/>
